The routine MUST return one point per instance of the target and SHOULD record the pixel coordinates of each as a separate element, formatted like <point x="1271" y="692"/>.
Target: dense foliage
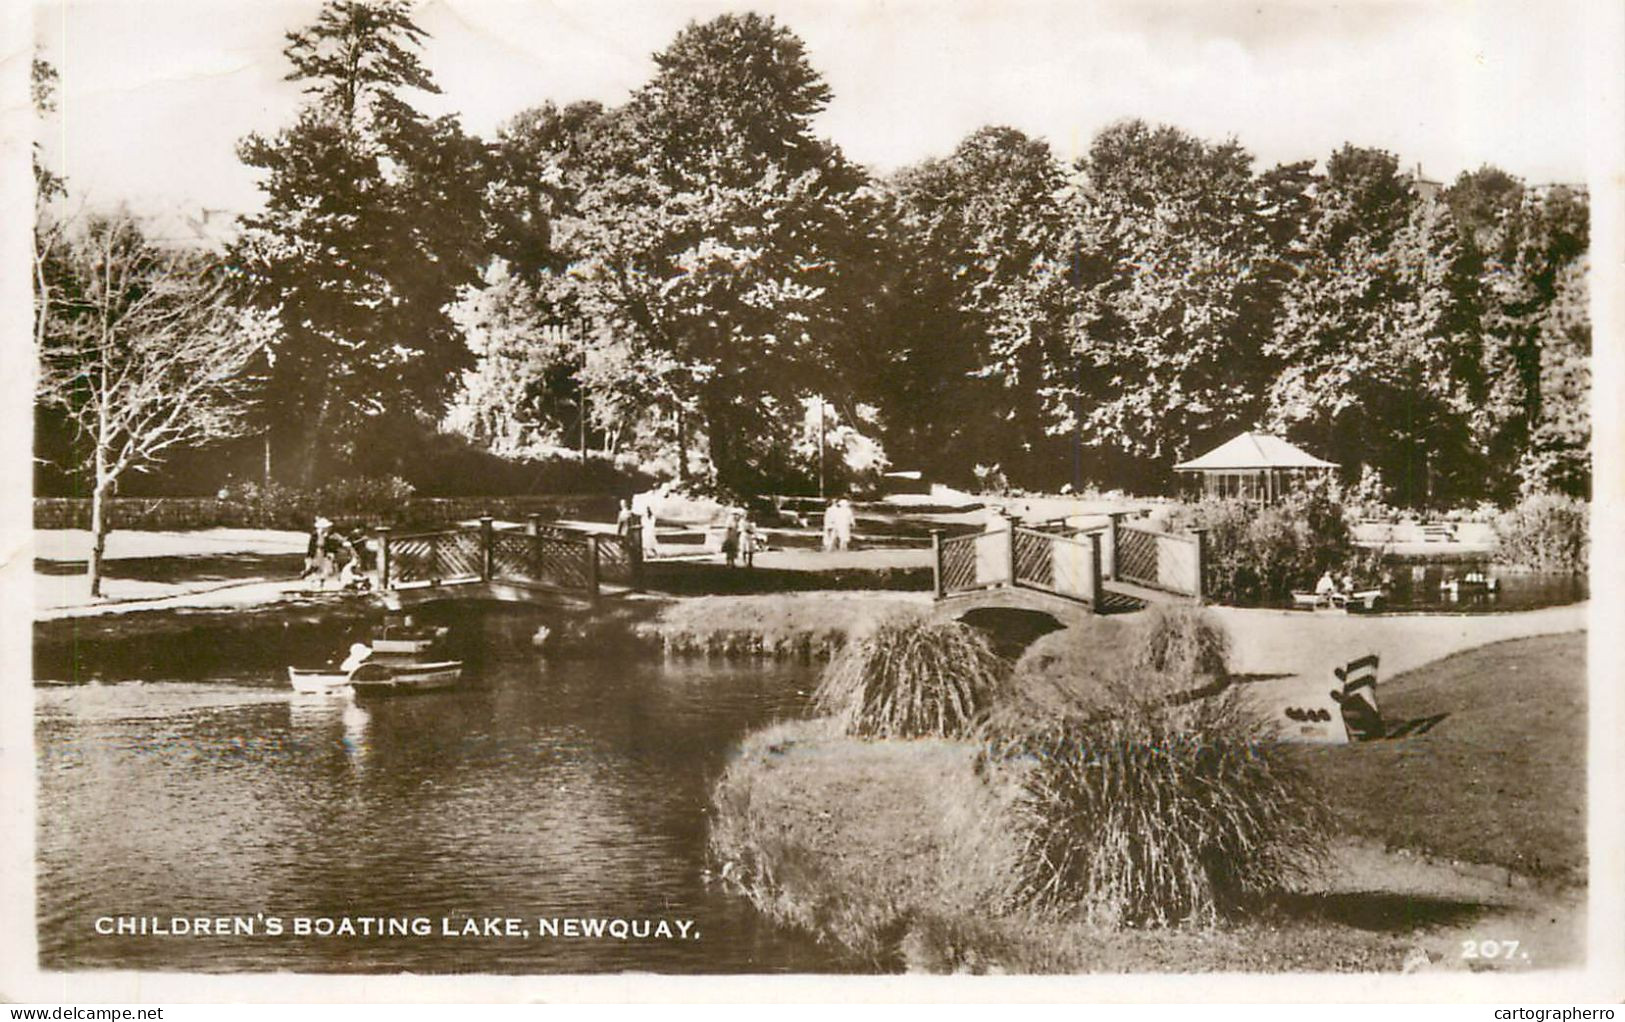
<point x="1257" y="555"/>
<point x="1546" y="531"/>
<point x="679" y="278"/>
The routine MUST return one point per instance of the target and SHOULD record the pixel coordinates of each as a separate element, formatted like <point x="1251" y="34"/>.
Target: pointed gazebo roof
<point x="1252" y="451"/>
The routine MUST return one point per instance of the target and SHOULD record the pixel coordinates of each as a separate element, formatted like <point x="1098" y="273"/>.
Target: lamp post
<point x="820" y="447"/>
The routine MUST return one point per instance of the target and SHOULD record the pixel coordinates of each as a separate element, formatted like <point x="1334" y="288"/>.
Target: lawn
<point x="1499" y="780"/>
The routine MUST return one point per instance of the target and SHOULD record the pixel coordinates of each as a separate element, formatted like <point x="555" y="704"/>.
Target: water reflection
<point x="539" y="790"/>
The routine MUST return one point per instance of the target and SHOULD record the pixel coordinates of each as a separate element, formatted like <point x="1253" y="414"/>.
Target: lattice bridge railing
<point x="549" y="556"/>
<point x="436" y="558"/>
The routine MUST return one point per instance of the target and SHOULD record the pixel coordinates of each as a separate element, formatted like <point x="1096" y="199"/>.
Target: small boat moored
<point x="407" y="641"/>
<point x="374" y="678"/>
<point x="320" y="681"/>
<point x="329" y="680"/>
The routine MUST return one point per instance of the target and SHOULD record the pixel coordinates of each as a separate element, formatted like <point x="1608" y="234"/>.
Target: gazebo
<point x="1255" y="466"/>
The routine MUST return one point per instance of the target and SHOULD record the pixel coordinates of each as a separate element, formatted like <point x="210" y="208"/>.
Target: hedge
<point x="183" y="513"/>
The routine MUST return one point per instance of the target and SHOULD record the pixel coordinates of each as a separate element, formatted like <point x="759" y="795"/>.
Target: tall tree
<point x="1527" y="267"/>
<point x="714" y="241"/>
<point x="982" y="308"/>
<point x="1376" y="340"/>
<point x="1178" y="253"/>
<point x="372" y="221"/>
<point x="144" y="350"/>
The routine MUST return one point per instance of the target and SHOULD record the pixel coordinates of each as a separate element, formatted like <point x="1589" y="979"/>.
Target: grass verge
<point x="1499" y="780"/>
<point x="901" y="852"/>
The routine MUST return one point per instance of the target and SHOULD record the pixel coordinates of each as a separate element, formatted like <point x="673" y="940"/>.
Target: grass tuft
<point x="1151" y="813"/>
<point x="912" y="677"/>
<point x="1183" y="642"/>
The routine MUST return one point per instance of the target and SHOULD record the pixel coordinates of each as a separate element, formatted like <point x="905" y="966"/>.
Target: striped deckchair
<point x="1358" y="698"/>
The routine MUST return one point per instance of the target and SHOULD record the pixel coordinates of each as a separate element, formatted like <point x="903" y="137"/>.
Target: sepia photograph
<point x="811" y="488"/>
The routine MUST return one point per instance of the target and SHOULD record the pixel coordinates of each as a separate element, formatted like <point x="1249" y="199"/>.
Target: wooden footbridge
<point x="1066" y="571"/>
<point x="527" y="564"/>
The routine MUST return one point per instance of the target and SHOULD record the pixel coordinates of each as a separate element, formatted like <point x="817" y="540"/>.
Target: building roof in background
<point x="1253" y="450"/>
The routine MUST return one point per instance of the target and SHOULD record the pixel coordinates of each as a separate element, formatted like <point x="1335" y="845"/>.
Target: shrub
<point x="366" y="497"/>
<point x="912" y="676"/>
<point x="1256" y="555"/>
<point x="275" y="506"/>
<point x="1156" y="814"/>
<point x="1545" y="531"/>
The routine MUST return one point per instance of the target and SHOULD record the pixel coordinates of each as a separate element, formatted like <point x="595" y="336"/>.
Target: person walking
<point x="316" y="552"/>
<point x="333" y="550"/>
<point x="623" y="520"/>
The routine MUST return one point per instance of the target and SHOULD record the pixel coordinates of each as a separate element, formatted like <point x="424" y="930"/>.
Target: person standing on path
<point x="730" y="537"/>
<point x="748" y="540"/>
<point x="844" y="521"/>
<point x="651" y="546"/>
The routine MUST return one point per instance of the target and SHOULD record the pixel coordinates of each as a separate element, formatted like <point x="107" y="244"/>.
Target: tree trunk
<point x="100" y="524"/>
<point x="313" y="446"/>
<point x="722" y="464"/>
<point x="682" y="446"/>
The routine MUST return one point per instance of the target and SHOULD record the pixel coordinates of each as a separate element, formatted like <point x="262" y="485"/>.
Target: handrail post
<point x="632" y="544"/>
<point x="1116" y="517"/>
<point x="382" y="534"/>
<point x="936" y="563"/>
<point x="592" y="568"/>
<point x="1201" y="562"/>
<point x="487" y="538"/>
<point x="1095" y="589"/>
<point x="533" y="524"/>
<point x="1010" y="538"/>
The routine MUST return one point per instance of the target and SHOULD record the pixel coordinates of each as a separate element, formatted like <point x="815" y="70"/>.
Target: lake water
<point x="1415" y="588"/>
<point x="542" y="791"/>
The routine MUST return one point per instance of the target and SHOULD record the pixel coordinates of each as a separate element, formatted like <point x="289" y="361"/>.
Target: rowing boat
<point x="407" y="641"/>
<point x="321" y="681"/>
<point x="385" y="679"/>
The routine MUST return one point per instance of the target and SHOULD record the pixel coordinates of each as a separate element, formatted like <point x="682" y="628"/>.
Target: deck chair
<point x="1358" y="698"/>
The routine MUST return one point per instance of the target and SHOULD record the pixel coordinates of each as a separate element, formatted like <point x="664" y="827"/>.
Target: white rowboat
<point x="321" y="681"/>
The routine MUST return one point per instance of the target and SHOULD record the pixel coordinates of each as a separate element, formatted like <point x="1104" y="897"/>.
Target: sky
<point x="155" y="95"/>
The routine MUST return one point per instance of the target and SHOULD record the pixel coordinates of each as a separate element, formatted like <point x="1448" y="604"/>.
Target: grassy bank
<point x="791" y="625"/>
<point x="900" y="851"/>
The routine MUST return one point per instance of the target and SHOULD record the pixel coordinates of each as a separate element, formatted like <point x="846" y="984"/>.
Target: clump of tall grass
<point x="1156" y="813"/>
<point x="911" y="677"/>
<point x="1182" y="642"/>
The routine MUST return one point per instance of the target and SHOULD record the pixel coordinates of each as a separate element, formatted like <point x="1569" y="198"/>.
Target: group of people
<point x="640" y="510"/>
<point x="331" y="556"/>
<point x="1330" y="586"/>
<point x="839" y="519"/>
<point x="740" y="540"/>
